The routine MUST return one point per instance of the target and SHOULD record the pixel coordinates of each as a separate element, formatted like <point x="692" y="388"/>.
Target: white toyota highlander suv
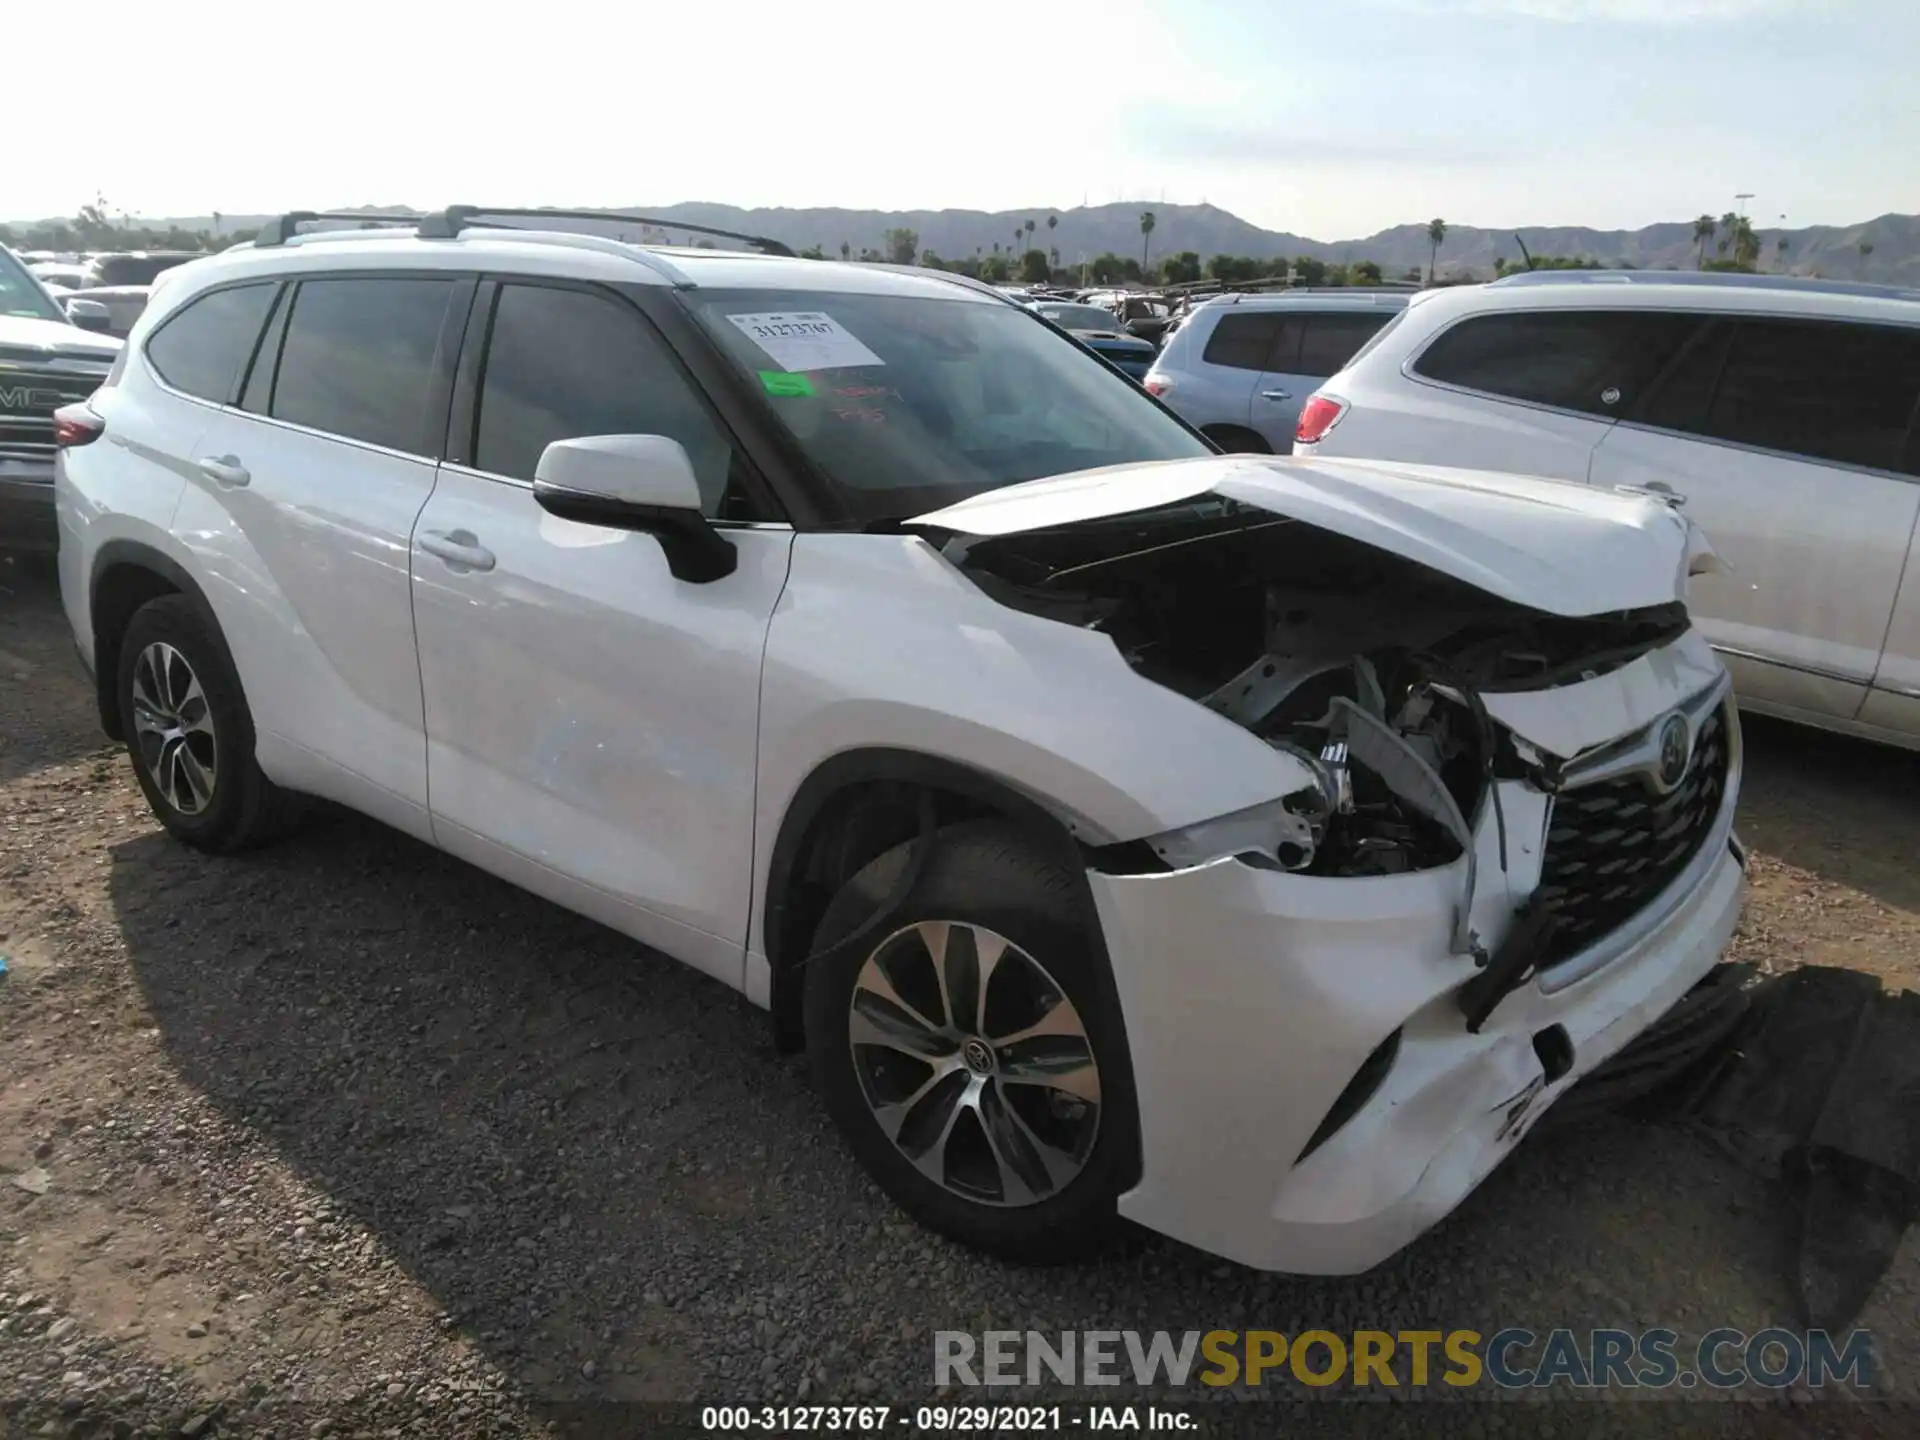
<point x="1250" y="847"/>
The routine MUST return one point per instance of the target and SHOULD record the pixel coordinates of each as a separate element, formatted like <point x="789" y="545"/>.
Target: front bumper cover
<point x="1252" y="997"/>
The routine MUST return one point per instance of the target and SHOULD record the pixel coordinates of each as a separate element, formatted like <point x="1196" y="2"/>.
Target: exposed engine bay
<point x="1367" y="666"/>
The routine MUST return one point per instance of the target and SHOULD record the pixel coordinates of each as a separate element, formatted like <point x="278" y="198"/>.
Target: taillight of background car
<point x="1319" y="415"/>
<point x="1157" y="384"/>
<point x="76" y="425"/>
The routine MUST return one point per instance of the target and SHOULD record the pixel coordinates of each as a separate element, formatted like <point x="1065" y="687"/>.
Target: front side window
<point x="562" y="364"/>
<point x="904" y="403"/>
<point x="201" y="347"/>
<point x="358" y="358"/>
<point x="1593" y="361"/>
<point x="1822" y="389"/>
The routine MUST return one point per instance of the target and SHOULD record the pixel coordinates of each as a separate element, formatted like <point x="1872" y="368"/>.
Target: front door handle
<point x="1276" y="394"/>
<point x="225" y="471"/>
<point x="461" y="549"/>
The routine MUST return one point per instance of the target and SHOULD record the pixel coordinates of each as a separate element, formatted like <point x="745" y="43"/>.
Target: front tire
<point x="970" y="1049"/>
<point x="189" y="732"/>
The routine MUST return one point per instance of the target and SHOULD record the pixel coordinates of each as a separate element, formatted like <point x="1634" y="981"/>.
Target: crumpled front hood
<point x="1552" y="545"/>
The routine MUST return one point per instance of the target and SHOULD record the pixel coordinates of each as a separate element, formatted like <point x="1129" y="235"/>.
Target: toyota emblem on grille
<point x="1676" y="751"/>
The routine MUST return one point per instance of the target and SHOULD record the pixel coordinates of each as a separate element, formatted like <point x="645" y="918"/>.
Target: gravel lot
<point x="348" y="1129"/>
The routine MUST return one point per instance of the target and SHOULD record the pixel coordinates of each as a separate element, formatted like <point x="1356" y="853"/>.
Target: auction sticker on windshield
<point x="805" y="340"/>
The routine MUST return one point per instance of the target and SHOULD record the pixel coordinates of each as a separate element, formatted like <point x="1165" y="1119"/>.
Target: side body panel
<point x="592" y="722"/>
<point x="306" y="567"/>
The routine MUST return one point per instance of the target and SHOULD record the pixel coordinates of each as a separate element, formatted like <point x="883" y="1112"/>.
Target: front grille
<point x="29" y="394"/>
<point x="1613" y="847"/>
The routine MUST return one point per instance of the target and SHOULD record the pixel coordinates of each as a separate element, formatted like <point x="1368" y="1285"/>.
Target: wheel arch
<point x="1237" y="439"/>
<point x="126" y="575"/>
<point x="854" y="807"/>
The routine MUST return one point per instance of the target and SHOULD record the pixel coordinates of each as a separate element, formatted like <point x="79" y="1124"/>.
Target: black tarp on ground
<point x="1812" y="1078"/>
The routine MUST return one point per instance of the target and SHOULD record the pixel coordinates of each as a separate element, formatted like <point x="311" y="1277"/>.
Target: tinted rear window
<point x="1329" y="340"/>
<point x="358" y="359"/>
<point x="1823" y="389"/>
<point x="1593" y="361"/>
<point x="201" y="347"/>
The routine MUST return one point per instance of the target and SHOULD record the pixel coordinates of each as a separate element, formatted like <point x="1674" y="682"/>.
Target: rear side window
<point x="201" y="347"/>
<point x="357" y="359"/>
<point x="562" y="364"/>
<point x="1827" y="390"/>
<point x="1242" y="340"/>
<point x="1593" y="361"/>
<point x="1329" y="340"/>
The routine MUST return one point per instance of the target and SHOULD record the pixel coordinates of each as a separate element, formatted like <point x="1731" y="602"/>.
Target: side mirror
<point x="635" y="482"/>
<point x="89" y="314"/>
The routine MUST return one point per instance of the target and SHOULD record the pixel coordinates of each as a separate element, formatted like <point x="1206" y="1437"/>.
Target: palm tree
<point x="1729" y="231"/>
<point x="845" y="250"/>
<point x="1703" y="229"/>
<point x="1029" y="234"/>
<point x="1866" y="249"/>
<point x="1053" y="223"/>
<point x="1436" y="234"/>
<point x="1780" y="251"/>
<point x="1054" y="256"/>
<point x="1147" y="223"/>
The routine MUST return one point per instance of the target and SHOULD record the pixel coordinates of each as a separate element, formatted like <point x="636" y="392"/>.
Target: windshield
<point x="1079" y="317"/>
<point x="21" y="295"/>
<point x="906" y="403"/>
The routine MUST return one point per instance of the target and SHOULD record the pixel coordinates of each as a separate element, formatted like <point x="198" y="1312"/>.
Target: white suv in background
<point x="1251" y="847"/>
<point x="1784" y="413"/>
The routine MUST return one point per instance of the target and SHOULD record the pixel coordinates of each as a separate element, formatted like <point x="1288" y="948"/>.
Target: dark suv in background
<point x="46" y="361"/>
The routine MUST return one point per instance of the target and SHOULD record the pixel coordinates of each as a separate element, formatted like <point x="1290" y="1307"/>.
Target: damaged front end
<point x="1510" y="853"/>
<point x="1372" y="670"/>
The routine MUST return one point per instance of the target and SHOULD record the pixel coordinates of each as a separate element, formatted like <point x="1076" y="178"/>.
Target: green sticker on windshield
<point x="783" y="382"/>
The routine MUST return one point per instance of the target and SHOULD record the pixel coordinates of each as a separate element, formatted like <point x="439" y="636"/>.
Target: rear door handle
<point x="461" y="549"/>
<point x="1276" y="394"/>
<point x="225" y="470"/>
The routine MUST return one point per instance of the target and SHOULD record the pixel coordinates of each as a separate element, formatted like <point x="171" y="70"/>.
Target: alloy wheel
<point x="974" y="1063"/>
<point x="173" y="728"/>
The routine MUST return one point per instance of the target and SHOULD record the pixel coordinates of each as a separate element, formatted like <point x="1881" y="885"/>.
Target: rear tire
<point x="993" y="1103"/>
<point x="189" y="732"/>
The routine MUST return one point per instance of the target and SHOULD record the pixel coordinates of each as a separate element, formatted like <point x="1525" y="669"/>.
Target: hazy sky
<point x="1330" y="118"/>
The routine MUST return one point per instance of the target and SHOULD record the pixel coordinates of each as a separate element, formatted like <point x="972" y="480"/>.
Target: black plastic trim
<point x="696" y="552"/>
<point x="448" y="223"/>
<point x="112" y="555"/>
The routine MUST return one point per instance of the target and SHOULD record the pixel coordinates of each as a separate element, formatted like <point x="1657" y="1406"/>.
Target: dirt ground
<point x="346" y="1133"/>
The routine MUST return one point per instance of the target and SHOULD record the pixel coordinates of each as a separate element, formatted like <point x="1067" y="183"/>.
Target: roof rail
<point x="952" y="277"/>
<point x="448" y="223"/>
<point x="1708" y="279"/>
<point x="281" y="228"/>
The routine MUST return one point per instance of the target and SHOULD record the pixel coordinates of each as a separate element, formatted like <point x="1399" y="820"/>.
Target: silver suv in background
<point x="1241" y="367"/>
<point x="1783" y="412"/>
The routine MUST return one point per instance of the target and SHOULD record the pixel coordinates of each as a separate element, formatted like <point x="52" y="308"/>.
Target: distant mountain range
<point x="1086" y="231"/>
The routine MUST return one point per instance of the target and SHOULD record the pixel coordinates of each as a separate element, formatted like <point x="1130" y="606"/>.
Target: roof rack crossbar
<point x="281" y="228"/>
<point x="448" y="223"/>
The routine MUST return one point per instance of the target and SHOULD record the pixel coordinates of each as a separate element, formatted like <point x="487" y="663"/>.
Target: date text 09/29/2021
<point x="940" y="1419"/>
